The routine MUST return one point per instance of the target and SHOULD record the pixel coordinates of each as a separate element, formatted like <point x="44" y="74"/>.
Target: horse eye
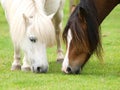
<point x="33" y="39"/>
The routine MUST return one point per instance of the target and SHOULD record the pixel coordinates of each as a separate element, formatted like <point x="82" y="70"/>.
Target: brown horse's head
<point x="82" y="39"/>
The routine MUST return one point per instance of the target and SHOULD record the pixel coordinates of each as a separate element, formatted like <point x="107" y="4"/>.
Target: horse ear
<point x="51" y="16"/>
<point x="82" y="11"/>
<point x="26" y="19"/>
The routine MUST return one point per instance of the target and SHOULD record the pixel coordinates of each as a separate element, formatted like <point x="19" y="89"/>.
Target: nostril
<point x="38" y="69"/>
<point x="77" y="72"/>
<point x="69" y="70"/>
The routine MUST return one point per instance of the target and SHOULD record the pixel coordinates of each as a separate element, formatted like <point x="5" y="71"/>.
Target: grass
<point x="95" y="76"/>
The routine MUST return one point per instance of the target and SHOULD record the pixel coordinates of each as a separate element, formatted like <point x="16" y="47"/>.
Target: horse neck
<point x="104" y="7"/>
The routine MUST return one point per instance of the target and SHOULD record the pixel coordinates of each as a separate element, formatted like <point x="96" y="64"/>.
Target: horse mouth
<point x="70" y="70"/>
<point x="39" y="70"/>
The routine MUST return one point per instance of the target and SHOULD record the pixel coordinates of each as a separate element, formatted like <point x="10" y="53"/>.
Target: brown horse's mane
<point x="84" y="27"/>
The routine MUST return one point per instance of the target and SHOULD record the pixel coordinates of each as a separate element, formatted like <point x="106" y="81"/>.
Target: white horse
<point x="33" y="25"/>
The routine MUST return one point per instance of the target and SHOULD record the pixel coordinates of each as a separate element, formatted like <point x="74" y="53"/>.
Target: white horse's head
<point x="39" y="33"/>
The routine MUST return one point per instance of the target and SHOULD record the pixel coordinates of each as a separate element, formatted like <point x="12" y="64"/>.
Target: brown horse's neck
<point x="104" y="7"/>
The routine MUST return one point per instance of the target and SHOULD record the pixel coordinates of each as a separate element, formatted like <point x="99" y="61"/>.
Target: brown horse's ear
<point x="82" y="11"/>
<point x="82" y="15"/>
<point x="72" y="8"/>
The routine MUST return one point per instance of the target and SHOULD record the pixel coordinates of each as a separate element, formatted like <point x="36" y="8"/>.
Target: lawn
<point x="95" y="76"/>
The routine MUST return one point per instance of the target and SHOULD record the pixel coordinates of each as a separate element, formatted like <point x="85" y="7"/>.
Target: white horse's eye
<point x="33" y="39"/>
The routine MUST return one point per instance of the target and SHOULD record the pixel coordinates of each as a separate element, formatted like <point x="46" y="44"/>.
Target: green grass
<point x="95" y="76"/>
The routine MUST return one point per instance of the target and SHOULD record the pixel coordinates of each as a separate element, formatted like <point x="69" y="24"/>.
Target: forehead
<point x="31" y="30"/>
<point x="69" y="36"/>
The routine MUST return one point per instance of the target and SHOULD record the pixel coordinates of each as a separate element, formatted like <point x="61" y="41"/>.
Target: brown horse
<point x="82" y="34"/>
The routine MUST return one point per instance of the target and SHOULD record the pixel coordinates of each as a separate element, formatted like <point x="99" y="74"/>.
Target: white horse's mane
<point x="15" y="9"/>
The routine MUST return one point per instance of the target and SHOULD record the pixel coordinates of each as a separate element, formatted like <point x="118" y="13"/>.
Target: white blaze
<point x="66" y="60"/>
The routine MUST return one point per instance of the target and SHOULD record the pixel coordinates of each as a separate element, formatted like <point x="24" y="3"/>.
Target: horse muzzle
<point x="70" y="70"/>
<point x="39" y="69"/>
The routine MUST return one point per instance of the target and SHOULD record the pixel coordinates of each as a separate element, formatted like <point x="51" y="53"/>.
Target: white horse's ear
<point x="26" y="19"/>
<point x="51" y="16"/>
